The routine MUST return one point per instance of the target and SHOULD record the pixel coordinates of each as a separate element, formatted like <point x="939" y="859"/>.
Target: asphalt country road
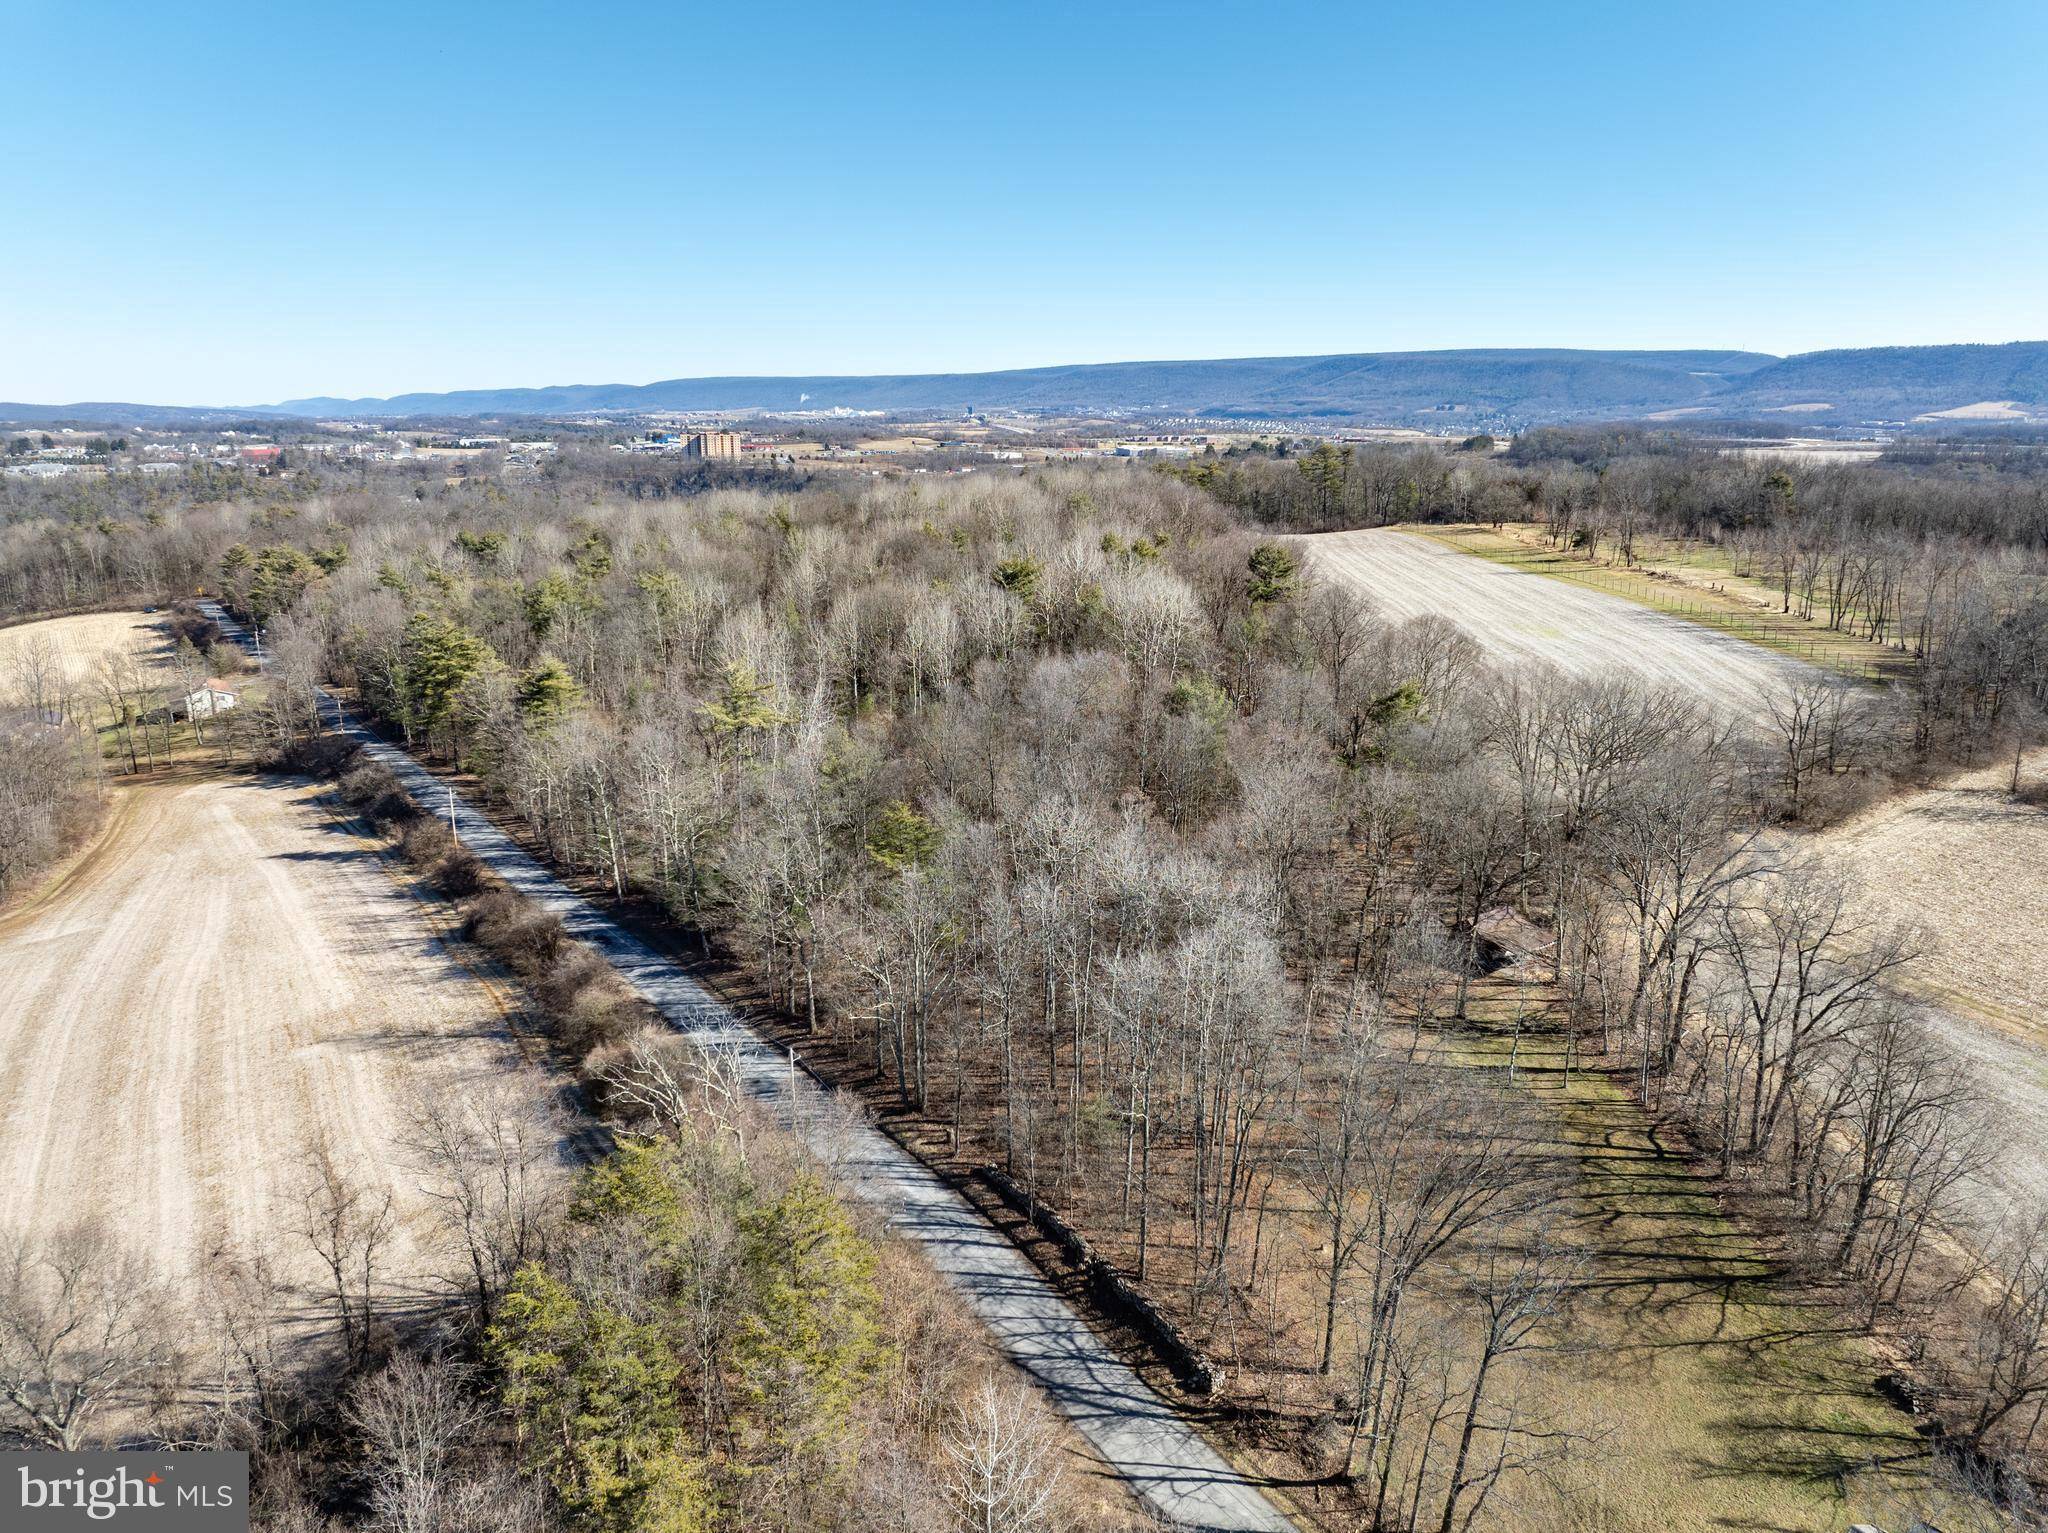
<point x="1167" y="1463"/>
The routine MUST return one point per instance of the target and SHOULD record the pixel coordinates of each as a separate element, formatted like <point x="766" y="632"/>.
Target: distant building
<point x="213" y="695"/>
<point x="262" y="455"/>
<point x="713" y="444"/>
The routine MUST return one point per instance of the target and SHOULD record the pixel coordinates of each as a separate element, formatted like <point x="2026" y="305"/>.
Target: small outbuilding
<point x="211" y="696"/>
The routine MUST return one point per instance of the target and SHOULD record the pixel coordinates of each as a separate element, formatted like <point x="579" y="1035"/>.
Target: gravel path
<point x="1167" y="1462"/>
<point x="1518" y="616"/>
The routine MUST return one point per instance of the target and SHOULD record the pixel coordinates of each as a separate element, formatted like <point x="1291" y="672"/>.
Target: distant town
<point x="860" y="442"/>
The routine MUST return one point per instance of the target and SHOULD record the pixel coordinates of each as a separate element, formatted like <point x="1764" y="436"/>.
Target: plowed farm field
<point x="230" y="974"/>
<point x="79" y="643"/>
<point x="1970" y="861"/>
<point x="1521" y="617"/>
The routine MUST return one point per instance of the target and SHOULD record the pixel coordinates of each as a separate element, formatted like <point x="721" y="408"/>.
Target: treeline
<point x="1948" y="567"/>
<point x="702" y="1335"/>
<point x="1067" y="816"/>
<point x="49" y="793"/>
<point x="1621" y="479"/>
<point x="1076" y="820"/>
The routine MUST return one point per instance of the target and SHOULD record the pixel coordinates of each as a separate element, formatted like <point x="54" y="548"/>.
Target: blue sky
<point x="240" y="203"/>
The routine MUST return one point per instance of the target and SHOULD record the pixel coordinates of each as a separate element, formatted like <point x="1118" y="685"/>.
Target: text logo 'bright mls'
<point x="169" y="1493"/>
<point x="98" y="1499"/>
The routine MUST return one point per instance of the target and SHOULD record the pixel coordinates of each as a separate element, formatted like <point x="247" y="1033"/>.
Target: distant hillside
<point x="1899" y="382"/>
<point x="1442" y="389"/>
<point x="91" y="413"/>
<point x="1890" y="383"/>
<point x="1384" y="385"/>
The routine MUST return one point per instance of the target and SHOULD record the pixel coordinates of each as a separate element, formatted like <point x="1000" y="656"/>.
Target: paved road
<point x="1167" y="1463"/>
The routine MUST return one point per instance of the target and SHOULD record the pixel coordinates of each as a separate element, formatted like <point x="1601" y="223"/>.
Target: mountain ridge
<point x="1483" y="386"/>
<point x="1518" y="384"/>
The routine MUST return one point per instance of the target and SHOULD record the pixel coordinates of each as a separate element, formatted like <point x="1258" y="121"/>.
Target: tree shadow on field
<point x="387" y="926"/>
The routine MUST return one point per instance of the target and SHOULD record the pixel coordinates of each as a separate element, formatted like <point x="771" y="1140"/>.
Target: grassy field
<point x="1714" y="1393"/>
<point x="1728" y="1400"/>
<point x="1693" y="581"/>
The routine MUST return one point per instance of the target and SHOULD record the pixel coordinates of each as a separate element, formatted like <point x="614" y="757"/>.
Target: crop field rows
<point x="1519" y="618"/>
<point x="1962" y="863"/>
<point x="179" y="1028"/>
<point x="228" y="975"/>
<point x="79" y="644"/>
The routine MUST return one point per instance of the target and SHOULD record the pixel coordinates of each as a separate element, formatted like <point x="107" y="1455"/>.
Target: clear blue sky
<point x="237" y="203"/>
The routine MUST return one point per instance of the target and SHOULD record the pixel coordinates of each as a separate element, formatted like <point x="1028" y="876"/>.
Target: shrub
<point x="584" y="1001"/>
<point x="525" y="939"/>
<point x="460" y="873"/>
<point x="321" y="756"/>
<point x="424" y="842"/>
<point x="1831" y="800"/>
<point x="374" y="791"/>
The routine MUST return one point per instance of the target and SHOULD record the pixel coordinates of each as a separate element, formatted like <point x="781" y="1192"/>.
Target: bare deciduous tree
<point x="415" y="1416"/>
<point x="85" y="1324"/>
<point x="1005" y="1455"/>
<point x="347" y="1222"/>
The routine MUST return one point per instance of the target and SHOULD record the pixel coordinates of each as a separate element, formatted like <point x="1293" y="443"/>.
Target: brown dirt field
<point x="229" y="969"/>
<point x="81" y="641"/>
<point x="1965" y="860"/>
<point x="1518" y="617"/>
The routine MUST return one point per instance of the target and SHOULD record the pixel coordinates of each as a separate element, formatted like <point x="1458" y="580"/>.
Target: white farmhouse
<point x="211" y="696"/>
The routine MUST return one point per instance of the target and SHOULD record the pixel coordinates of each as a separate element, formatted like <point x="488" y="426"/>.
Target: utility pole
<point x="453" y="829"/>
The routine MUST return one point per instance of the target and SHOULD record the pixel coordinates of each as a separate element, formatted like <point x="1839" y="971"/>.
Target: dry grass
<point x="1716" y="1394"/>
<point x="1727" y="1399"/>
<point x="1693" y="581"/>
<point x="1719" y="1395"/>
<point x="1969" y="864"/>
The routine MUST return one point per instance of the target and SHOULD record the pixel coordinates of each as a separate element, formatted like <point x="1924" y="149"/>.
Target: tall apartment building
<point x="713" y="444"/>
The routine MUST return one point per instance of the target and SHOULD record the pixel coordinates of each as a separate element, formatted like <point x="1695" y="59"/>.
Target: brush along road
<point x="1167" y="1463"/>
